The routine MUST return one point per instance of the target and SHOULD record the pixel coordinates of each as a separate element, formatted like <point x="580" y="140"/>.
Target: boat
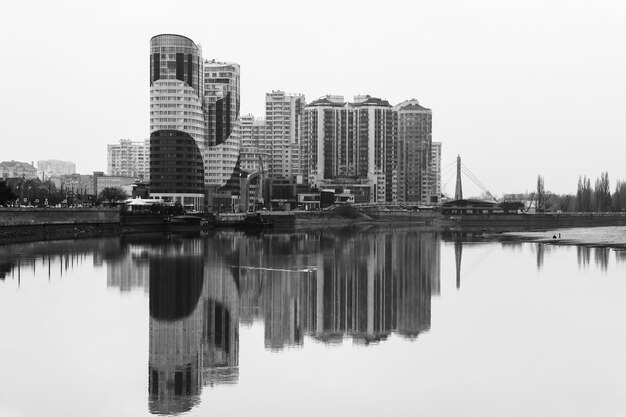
<point x="184" y="223"/>
<point x="242" y="220"/>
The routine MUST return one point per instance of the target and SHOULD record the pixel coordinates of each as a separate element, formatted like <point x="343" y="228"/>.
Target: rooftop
<point x="16" y="164"/>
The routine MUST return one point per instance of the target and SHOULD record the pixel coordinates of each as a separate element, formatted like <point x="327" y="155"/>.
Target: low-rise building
<point x="17" y="169"/>
<point x="125" y="183"/>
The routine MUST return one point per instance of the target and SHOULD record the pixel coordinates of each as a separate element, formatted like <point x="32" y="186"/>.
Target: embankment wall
<point x="57" y="216"/>
<point x="32" y="224"/>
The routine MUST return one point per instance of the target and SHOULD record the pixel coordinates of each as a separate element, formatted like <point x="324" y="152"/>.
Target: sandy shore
<point x="609" y="236"/>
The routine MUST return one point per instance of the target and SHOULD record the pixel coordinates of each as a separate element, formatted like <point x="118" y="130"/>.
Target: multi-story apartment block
<point x="17" y="169"/>
<point x="129" y="159"/>
<point x="252" y="133"/>
<point x="221" y="91"/>
<point x="435" y="172"/>
<point x="414" y="152"/>
<point x="282" y="134"/>
<point x="351" y="143"/>
<point x="221" y="101"/>
<point x="54" y="167"/>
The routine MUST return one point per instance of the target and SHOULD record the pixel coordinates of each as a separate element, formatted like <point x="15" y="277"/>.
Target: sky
<point x="517" y="88"/>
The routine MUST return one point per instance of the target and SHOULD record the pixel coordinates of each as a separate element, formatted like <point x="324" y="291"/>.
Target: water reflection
<point x="331" y="287"/>
<point x="193" y="326"/>
<point x="602" y="257"/>
<point x="583" y="256"/>
<point x="328" y="286"/>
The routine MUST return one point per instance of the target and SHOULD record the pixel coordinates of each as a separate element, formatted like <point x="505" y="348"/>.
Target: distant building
<point x="125" y="183"/>
<point x="129" y="158"/>
<point x="252" y="133"/>
<point x="414" y="152"/>
<point x="435" y="172"/>
<point x="17" y="169"/>
<point x="282" y="133"/>
<point x="54" y="167"/>
<point x="351" y="144"/>
<point x="76" y="183"/>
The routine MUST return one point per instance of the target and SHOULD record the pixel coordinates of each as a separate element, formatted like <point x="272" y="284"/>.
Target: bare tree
<point x="602" y="193"/>
<point x="540" y="196"/>
<point x="584" y="194"/>
<point x="619" y="197"/>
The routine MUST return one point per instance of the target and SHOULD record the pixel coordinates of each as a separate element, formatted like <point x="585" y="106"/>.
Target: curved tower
<point x="221" y="92"/>
<point x="176" y="114"/>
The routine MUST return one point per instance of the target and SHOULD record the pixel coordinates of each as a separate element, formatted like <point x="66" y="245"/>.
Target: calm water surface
<point x="360" y="322"/>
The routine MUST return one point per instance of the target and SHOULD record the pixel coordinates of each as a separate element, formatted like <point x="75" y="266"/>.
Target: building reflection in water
<point x="333" y="285"/>
<point x="320" y="286"/>
<point x="327" y="285"/>
<point x="194" y="334"/>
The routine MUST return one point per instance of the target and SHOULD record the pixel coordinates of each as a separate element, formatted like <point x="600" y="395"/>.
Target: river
<point x="363" y="321"/>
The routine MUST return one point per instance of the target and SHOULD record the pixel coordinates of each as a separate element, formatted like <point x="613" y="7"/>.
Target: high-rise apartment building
<point x="129" y="159"/>
<point x="221" y="101"/>
<point x="414" y="152"/>
<point x="194" y="111"/>
<point x="177" y="122"/>
<point x="282" y="133"/>
<point x="252" y="134"/>
<point x="55" y="167"/>
<point x="435" y="172"/>
<point x="351" y="143"/>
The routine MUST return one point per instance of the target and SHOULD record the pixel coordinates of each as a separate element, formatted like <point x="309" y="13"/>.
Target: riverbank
<point x="26" y="224"/>
<point x="601" y="237"/>
<point x="30" y="224"/>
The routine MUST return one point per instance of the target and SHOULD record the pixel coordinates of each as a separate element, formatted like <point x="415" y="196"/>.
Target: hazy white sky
<point x="517" y="88"/>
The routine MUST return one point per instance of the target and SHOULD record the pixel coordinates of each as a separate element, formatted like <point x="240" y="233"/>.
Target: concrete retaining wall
<point x="57" y="216"/>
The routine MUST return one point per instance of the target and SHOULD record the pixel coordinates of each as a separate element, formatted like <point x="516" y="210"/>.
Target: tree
<point x="584" y="195"/>
<point x="113" y="194"/>
<point x="602" y="193"/>
<point x="6" y="193"/>
<point x="540" y="196"/>
<point x="619" y="197"/>
<point x="564" y="203"/>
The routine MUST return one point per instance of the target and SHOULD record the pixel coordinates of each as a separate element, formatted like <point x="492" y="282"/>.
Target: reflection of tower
<point x="417" y="278"/>
<point x="176" y="281"/>
<point x="281" y="304"/>
<point x="220" y="326"/>
<point x="384" y="287"/>
<point x="194" y="324"/>
<point x="458" y="251"/>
